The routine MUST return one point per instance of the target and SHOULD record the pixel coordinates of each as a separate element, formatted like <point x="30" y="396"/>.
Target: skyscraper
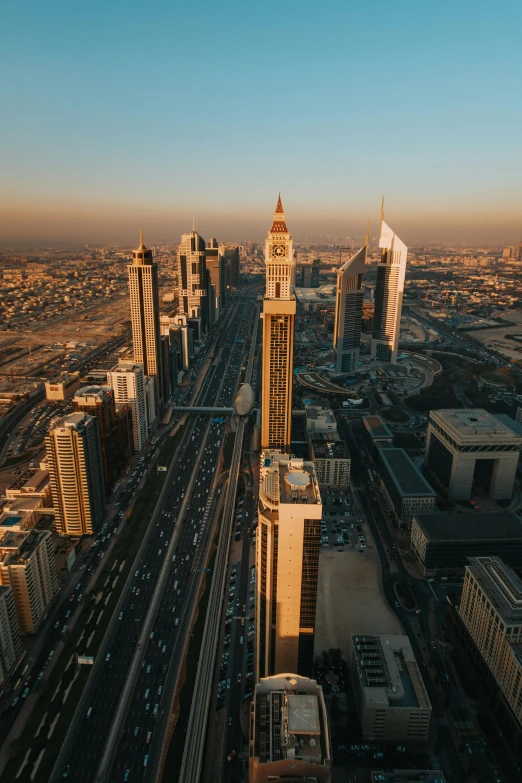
<point x="75" y="461"/>
<point x="98" y="401"/>
<point x="127" y="380"/>
<point x="389" y="291"/>
<point x="10" y="644"/>
<point x="144" y="296"/>
<point x="348" y="312"/>
<point x="279" y="309"/>
<point x="194" y="278"/>
<point x="287" y="565"/>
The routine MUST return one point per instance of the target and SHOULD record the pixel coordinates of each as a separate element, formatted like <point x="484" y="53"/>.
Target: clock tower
<point x="279" y="309"/>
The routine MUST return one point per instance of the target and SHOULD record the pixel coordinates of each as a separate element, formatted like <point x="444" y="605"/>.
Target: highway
<point x="165" y="577"/>
<point x="192" y="763"/>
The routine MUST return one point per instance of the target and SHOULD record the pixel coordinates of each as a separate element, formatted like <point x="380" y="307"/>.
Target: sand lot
<point x="349" y="600"/>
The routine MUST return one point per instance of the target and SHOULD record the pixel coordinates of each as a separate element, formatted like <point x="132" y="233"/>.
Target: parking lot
<point x="341" y="526"/>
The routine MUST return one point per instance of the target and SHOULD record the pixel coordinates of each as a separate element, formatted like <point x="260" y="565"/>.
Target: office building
<point x="230" y="255"/>
<point x="376" y="433"/>
<point x="27" y="565"/>
<point x="62" y="387"/>
<point x="124" y="432"/>
<point x="149" y="386"/>
<point x="215" y="264"/>
<point x="442" y="543"/>
<point x="181" y="336"/>
<point x="348" y="312"/>
<point x="321" y="422"/>
<point x="144" y="297"/>
<point x="332" y="463"/>
<point x="289" y="733"/>
<point x="10" y="644"/>
<point x="389" y="291"/>
<point x="491" y="611"/>
<point x="392" y="702"/>
<point x="194" y="279"/>
<point x="127" y="380"/>
<point x="98" y="401"/>
<point x="468" y="446"/>
<point x="279" y="309"/>
<point x="316" y="271"/>
<point x="287" y="563"/>
<point x="74" y="457"/>
<point x="406" y="491"/>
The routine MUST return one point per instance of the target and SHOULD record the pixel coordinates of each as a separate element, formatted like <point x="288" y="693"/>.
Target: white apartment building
<point x="127" y="380"/>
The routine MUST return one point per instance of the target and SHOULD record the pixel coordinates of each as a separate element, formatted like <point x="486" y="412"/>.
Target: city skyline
<point x="438" y="136"/>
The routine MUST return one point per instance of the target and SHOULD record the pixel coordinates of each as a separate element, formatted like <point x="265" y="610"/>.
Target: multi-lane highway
<point x="131" y="687"/>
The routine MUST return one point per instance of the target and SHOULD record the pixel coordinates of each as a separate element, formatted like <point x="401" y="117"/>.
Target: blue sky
<point x="117" y="112"/>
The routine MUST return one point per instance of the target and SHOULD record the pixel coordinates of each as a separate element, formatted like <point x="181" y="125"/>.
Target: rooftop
<point x="388" y="672"/>
<point x="16" y="548"/>
<point x="466" y="527"/>
<point x="94" y="392"/>
<point x="287" y="479"/>
<point x="329" y="449"/>
<point x="73" y="421"/>
<point x="501" y="584"/>
<point x="473" y="422"/>
<point x="377" y="428"/>
<point x="406" y="476"/>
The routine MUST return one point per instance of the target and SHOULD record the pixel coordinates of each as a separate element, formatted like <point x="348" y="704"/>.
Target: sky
<point x="120" y="114"/>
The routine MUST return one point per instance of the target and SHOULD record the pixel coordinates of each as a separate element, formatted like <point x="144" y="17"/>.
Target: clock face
<point x="278" y="251"/>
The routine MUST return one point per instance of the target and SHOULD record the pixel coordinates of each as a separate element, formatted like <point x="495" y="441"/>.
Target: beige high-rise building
<point x="128" y="382"/>
<point x="74" y="458"/>
<point x="491" y="610"/>
<point x="348" y="312"/>
<point x="279" y="309"/>
<point x="27" y="564"/>
<point x="10" y="644"/>
<point x="289" y="733"/>
<point x="287" y="564"/>
<point x="389" y="290"/>
<point x="144" y="298"/>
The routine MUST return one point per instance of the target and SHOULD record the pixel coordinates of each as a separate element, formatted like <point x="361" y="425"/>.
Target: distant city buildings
<point x="464" y="446"/>
<point x="349" y="312"/>
<point x="279" y="308"/>
<point x="75" y="461"/>
<point x="307" y="275"/>
<point x="389" y="292"/>
<point x="28" y="566"/>
<point x="128" y="382"/>
<point x="392" y="702"/>
<point x="144" y="298"/>
<point x="287" y="563"/>
<point x="289" y="732"/>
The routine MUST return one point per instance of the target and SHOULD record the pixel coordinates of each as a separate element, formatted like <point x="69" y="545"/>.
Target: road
<point x="169" y="553"/>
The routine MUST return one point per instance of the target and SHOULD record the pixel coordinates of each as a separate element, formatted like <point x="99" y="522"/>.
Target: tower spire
<point x="382" y="211"/>
<point x="279" y="225"/>
<point x="141" y="238"/>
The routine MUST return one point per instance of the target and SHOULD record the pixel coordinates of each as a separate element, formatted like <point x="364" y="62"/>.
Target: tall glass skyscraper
<point x="348" y="312"/>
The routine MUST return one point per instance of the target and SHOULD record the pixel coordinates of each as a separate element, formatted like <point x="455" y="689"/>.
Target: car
<point x="108" y="657"/>
<point x="121" y="615"/>
<point x="164" y="648"/>
<point x="241" y="639"/>
<point x="401" y="748"/>
<point x="148" y="738"/>
<point x="231" y="755"/>
<point x="149" y="667"/>
<point x="160" y="689"/>
<point x="145" y="761"/>
<point x="15" y="701"/>
<point x="239" y="677"/>
<point x="136" y="731"/>
<point x="66" y="771"/>
<point x="156" y="708"/>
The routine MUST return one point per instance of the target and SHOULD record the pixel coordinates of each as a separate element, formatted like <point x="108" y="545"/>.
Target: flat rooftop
<point x="472" y="423"/>
<point x="288" y="479"/>
<point x="377" y="428"/>
<point x="501" y="584"/>
<point x="406" y="476"/>
<point x="388" y="672"/>
<point x="330" y="449"/>
<point x="470" y="527"/>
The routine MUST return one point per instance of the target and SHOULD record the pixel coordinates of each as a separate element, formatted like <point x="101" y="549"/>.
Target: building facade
<point x="348" y="312"/>
<point x="389" y="291"/>
<point x="279" y="308"/>
<point x="74" y="458"/>
<point x="406" y="491"/>
<point x="392" y="702"/>
<point x="28" y="566"/>
<point x="193" y="278"/>
<point x="289" y="733"/>
<point x="128" y="382"/>
<point x="98" y="401"/>
<point x="287" y="564"/>
<point x="467" y="446"/>
<point x="491" y="611"/>
<point x="10" y="644"/>
<point x="332" y="463"/>
<point x="144" y="298"/>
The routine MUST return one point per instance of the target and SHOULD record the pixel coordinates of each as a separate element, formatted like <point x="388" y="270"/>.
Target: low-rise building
<point x="392" y="702"/>
<point x="320" y="421"/>
<point x="62" y="388"/>
<point x="10" y="644"/>
<point x="332" y="463"/>
<point x="27" y="564"/>
<point x="376" y="433"/>
<point x="442" y="543"/>
<point x="289" y="736"/>
<point x="405" y="489"/>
